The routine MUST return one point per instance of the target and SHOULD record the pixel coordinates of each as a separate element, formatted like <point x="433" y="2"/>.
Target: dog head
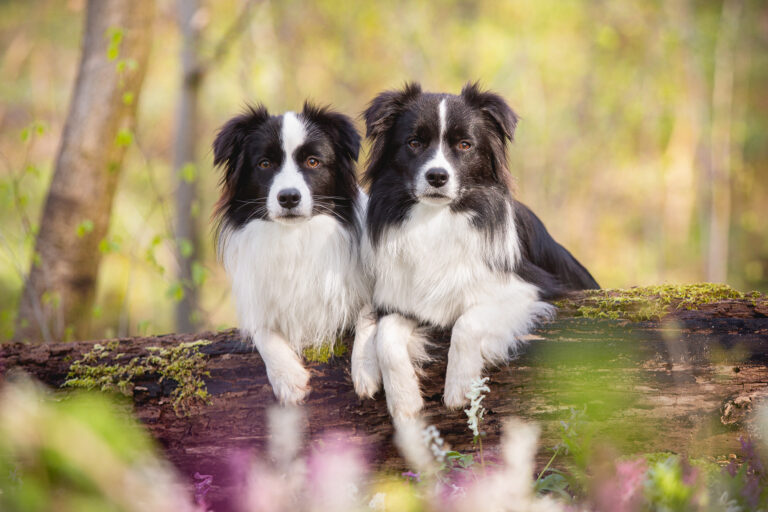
<point x="286" y="168"/>
<point x="439" y="147"/>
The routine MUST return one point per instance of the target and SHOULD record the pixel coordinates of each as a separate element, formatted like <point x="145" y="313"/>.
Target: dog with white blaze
<point x="289" y="228"/>
<point x="447" y="244"/>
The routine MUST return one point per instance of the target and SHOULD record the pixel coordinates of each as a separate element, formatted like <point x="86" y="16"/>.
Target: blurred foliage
<point x="613" y="150"/>
<point x="78" y="453"/>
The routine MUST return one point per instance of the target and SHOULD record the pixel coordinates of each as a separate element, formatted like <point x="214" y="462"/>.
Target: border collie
<point x="289" y="227"/>
<point x="448" y="245"/>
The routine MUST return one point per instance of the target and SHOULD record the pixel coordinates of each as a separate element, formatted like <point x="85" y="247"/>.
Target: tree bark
<point x="58" y="295"/>
<point x="721" y="142"/>
<point x="184" y="159"/>
<point x="685" y="385"/>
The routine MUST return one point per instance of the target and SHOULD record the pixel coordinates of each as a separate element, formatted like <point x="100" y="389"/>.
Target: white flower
<point x="432" y="439"/>
<point x="476" y="411"/>
<point x="378" y="502"/>
<point x="729" y="504"/>
<point x="286" y="433"/>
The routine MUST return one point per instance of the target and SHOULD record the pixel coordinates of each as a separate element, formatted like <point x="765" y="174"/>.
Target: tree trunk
<point x="185" y="165"/>
<point x="58" y="295"/>
<point x="721" y="142"/>
<point x="685" y="385"/>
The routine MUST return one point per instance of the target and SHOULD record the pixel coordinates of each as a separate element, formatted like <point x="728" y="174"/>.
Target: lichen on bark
<point x="645" y="303"/>
<point x="104" y="368"/>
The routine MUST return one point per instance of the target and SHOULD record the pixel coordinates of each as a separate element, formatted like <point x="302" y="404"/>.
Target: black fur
<point x="246" y="139"/>
<point x="485" y="189"/>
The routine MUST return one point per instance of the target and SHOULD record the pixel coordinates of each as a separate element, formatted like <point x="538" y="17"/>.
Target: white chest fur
<point x="304" y="281"/>
<point x="434" y="266"/>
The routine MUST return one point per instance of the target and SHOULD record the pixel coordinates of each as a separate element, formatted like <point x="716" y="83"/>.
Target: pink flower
<point x="623" y="492"/>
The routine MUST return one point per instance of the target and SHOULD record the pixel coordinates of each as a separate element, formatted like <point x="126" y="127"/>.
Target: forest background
<point x="643" y="141"/>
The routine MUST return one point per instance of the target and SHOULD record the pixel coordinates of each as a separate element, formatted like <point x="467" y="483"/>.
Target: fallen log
<point x="668" y="378"/>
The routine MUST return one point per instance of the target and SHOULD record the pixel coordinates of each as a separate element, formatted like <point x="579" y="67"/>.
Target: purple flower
<point x="416" y="477"/>
<point x="202" y="486"/>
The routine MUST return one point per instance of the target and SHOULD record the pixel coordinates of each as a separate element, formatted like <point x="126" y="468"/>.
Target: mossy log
<point x="684" y="382"/>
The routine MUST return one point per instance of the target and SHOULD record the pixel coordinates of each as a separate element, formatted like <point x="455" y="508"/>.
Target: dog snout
<point x="289" y="197"/>
<point x="437" y="177"/>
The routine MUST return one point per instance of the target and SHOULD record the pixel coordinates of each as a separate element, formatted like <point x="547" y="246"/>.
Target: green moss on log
<point x="644" y="303"/>
<point x="325" y="351"/>
<point x="104" y="368"/>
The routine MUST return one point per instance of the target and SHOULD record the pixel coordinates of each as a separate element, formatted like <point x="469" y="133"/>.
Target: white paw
<point x="455" y="393"/>
<point x="366" y="378"/>
<point x="290" y="382"/>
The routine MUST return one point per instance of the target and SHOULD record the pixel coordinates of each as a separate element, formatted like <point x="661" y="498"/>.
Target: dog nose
<point x="437" y="177"/>
<point x="288" y="197"/>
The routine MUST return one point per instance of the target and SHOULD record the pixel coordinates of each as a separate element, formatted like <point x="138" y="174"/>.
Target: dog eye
<point x="312" y="162"/>
<point x="464" y="145"/>
<point x="264" y="163"/>
<point x="414" y="143"/>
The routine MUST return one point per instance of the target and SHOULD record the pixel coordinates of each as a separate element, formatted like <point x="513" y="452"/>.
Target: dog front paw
<point x="366" y="378"/>
<point x="290" y="383"/>
<point x="455" y="393"/>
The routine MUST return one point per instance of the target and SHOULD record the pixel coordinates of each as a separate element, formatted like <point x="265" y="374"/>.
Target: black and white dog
<point x="448" y="245"/>
<point x="290" y="222"/>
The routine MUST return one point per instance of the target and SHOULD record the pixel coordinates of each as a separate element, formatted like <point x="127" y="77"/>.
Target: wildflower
<point x="431" y="438"/>
<point x="286" y="434"/>
<point x="378" y="502"/>
<point x="728" y="504"/>
<point x="416" y="477"/>
<point x="476" y="411"/>
<point x="335" y="471"/>
<point x="202" y="486"/>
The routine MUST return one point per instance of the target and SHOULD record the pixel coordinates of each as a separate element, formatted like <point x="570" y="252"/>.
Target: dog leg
<point x="401" y="384"/>
<point x="286" y="374"/>
<point x="465" y="358"/>
<point x="366" y="375"/>
<point x="488" y="333"/>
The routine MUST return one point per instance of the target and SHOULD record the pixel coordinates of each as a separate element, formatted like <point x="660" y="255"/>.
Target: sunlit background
<point x="643" y="143"/>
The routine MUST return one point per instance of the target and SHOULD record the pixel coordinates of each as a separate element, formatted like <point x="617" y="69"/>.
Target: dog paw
<point x="455" y="393"/>
<point x="366" y="378"/>
<point x="290" y="384"/>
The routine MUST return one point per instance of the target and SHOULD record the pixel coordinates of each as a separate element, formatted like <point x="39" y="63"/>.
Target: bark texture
<point x="58" y="295"/>
<point x="686" y="385"/>
<point x="184" y="159"/>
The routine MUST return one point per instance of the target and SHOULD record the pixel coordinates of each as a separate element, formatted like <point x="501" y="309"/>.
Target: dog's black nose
<point x="437" y="177"/>
<point x="288" y="197"/>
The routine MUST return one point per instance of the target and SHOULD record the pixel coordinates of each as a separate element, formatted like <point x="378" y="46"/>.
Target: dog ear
<point x="383" y="110"/>
<point x="380" y="117"/>
<point x="502" y="117"/>
<point x="228" y="145"/>
<point x="345" y="137"/>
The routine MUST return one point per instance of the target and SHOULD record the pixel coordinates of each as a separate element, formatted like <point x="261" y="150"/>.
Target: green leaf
<point x="175" y="291"/>
<point x="188" y="172"/>
<point x="128" y="98"/>
<point x="84" y="228"/>
<point x="554" y="483"/>
<point x="185" y="247"/>
<point x="115" y="36"/>
<point x="124" y="138"/>
<point x="107" y="246"/>
<point x="199" y="273"/>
